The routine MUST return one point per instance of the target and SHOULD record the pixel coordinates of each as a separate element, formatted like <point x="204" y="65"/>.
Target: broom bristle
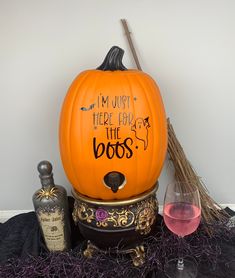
<point x="184" y="172"/>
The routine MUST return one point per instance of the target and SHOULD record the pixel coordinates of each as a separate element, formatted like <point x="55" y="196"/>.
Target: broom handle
<point x="127" y="32"/>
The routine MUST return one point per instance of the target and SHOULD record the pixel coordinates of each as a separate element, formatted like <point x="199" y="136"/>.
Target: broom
<point x="184" y="172"/>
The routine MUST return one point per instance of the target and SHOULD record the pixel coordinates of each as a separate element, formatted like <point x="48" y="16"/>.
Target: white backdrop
<point x="187" y="46"/>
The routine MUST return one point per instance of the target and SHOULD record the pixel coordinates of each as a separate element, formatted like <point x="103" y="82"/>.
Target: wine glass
<point x="182" y="214"/>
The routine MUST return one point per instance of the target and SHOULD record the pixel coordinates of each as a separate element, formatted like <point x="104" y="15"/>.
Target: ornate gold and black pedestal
<point x="122" y="223"/>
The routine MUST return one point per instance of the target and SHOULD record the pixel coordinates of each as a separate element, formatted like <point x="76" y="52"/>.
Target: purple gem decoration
<point x="101" y="214"/>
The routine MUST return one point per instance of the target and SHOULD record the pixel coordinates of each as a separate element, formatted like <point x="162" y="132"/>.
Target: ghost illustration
<point x="140" y="128"/>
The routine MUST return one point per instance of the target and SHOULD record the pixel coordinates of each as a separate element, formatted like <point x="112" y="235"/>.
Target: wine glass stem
<point x="180" y="263"/>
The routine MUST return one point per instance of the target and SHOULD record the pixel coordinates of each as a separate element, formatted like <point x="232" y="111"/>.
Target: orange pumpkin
<point x="113" y="132"/>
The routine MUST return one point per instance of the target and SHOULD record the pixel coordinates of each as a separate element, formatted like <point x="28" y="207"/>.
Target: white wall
<point x="187" y="46"/>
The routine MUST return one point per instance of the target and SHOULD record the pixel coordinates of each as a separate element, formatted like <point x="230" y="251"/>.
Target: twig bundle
<point x="184" y="172"/>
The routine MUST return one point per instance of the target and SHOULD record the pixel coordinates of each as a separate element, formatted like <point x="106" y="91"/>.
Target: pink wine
<point x="182" y="218"/>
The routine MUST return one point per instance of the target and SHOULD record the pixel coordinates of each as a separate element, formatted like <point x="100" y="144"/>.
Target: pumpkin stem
<point x="113" y="60"/>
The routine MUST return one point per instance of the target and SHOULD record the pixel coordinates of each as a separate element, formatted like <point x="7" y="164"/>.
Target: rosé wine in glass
<point x="182" y="215"/>
<point x="182" y="218"/>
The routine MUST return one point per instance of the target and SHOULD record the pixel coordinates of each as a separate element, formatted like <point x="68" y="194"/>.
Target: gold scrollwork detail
<point x="117" y="218"/>
<point x="146" y="216"/>
<point x="142" y="215"/>
<point x="83" y="212"/>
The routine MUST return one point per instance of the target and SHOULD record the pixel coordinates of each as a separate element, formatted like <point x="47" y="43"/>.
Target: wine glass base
<point x="189" y="270"/>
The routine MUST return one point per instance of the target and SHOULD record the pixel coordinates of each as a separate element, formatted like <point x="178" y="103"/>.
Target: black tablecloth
<point x="23" y="252"/>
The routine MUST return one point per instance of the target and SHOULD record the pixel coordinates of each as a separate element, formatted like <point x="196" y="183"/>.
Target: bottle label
<point x="52" y="225"/>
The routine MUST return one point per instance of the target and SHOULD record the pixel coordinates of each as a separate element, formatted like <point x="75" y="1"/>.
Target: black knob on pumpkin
<point x="114" y="180"/>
